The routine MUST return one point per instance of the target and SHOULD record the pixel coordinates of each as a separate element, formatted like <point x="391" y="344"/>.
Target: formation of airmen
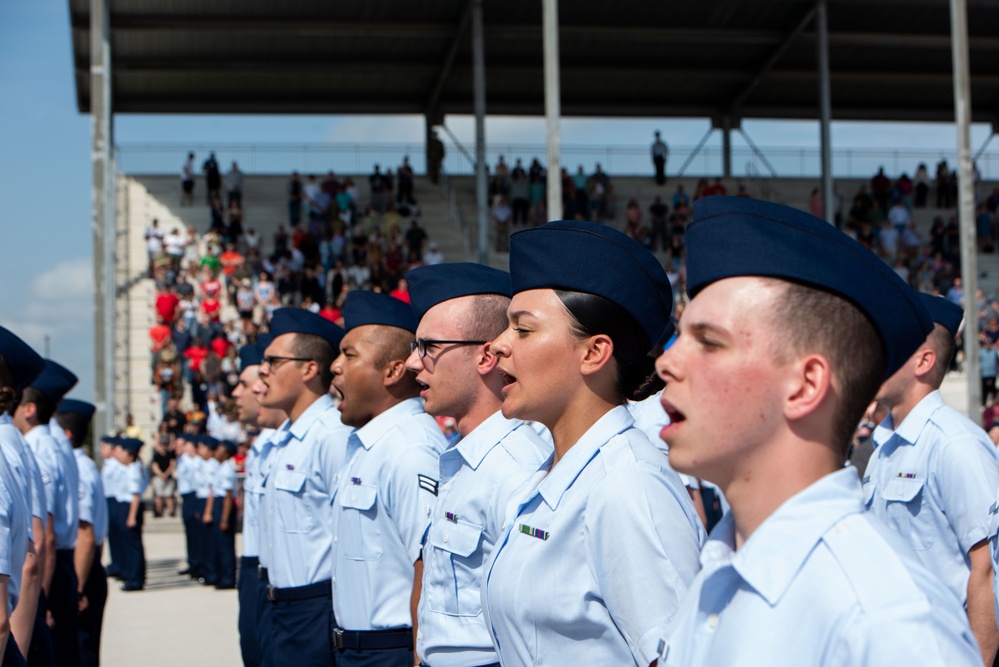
<point x="554" y="530"/>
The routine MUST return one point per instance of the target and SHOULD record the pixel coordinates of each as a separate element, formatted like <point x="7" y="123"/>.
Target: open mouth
<point x="507" y="379"/>
<point x="675" y="416"/>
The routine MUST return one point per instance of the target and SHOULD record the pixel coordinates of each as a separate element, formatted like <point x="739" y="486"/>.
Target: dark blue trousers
<point x="206" y="544"/>
<point x="389" y="657"/>
<point x="248" y="592"/>
<point x="92" y="618"/>
<point x="225" y="545"/>
<point x="65" y="610"/>
<point x="41" y="653"/>
<point x="265" y="624"/>
<point x="187" y="513"/>
<point x="12" y="655"/>
<point x="302" y="632"/>
<point x="134" y="567"/>
<point x="114" y="538"/>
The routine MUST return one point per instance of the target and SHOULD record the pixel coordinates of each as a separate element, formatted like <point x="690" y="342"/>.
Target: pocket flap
<point x="902" y="490"/>
<point x="359" y="496"/>
<point x="289" y="480"/>
<point x="461" y="539"/>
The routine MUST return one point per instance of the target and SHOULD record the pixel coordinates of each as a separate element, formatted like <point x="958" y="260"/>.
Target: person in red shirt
<point x="331" y="312"/>
<point x="195" y="355"/>
<point x="231" y="260"/>
<point x="210" y="285"/>
<point x="212" y="308"/>
<point x="166" y="305"/>
<point x="401" y="291"/>
<point x="220" y="346"/>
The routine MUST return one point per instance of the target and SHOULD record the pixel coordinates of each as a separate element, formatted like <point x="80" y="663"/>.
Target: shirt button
<point x="334" y="540"/>
<point x="712" y="621"/>
<point x="447" y="486"/>
<point x="445" y="539"/>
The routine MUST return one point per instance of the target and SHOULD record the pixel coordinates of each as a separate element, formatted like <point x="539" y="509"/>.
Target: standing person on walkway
<point x="461" y="309"/>
<point x="298" y="475"/>
<point x="660" y="152"/>
<point x="130" y="514"/>
<point x="763" y="397"/>
<point x="111" y="476"/>
<point x="187" y="470"/>
<point x="223" y="526"/>
<point x="207" y="467"/>
<point x="61" y="481"/>
<point x="74" y="417"/>
<point x="387" y="489"/>
<point x="20" y="578"/>
<point x="598" y="552"/>
<point x="934" y="475"/>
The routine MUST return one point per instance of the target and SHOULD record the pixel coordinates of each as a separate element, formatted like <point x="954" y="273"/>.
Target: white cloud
<point x="59" y="303"/>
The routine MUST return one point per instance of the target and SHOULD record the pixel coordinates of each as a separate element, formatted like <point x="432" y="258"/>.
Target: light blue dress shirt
<point x="15" y="517"/>
<point x="224" y="479"/>
<point x="204" y="471"/>
<point x="478" y="475"/>
<point x="112" y="472"/>
<point x="93" y="509"/>
<point x="381" y="509"/>
<point x="25" y="469"/>
<point x="252" y="490"/>
<point x="299" y="476"/>
<point x="66" y="535"/>
<point x="44" y="448"/>
<point x="820" y="582"/>
<point x="596" y="558"/>
<point x="186" y="470"/>
<point x="933" y="480"/>
<point x="134" y="480"/>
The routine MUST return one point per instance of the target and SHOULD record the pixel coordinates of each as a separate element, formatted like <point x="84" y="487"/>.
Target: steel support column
<point x="825" y="110"/>
<point x="479" y="80"/>
<point x="966" y="199"/>
<point x="726" y="147"/>
<point x="553" y="108"/>
<point x="102" y="215"/>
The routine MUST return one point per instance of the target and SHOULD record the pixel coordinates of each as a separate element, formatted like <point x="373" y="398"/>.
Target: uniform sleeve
<point x="49" y="477"/>
<point x="966" y="478"/>
<point x="6" y="517"/>
<point x="410" y="491"/>
<point x="227" y="479"/>
<point x="38" y="506"/>
<point x="86" y="497"/>
<point x="643" y="550"/>
<point x="135" y="479"/>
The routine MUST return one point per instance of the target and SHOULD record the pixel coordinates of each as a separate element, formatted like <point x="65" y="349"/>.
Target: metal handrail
<point x="457" y="215"/>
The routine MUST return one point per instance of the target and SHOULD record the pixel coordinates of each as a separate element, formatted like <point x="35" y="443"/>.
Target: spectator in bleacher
<point x="660" y="151"/>
<point x="701" y="189"/>
<point x="952" y="239"/>
<point x="187" y="181"/>
<point x="921" y="185"/>
<point x="378" y="185"/>
<point x="502" y="171"/>
<point x="881" y="188"/>
<point x="903" y="191"/>
<point x="232" y="260"/>
<point x="866" y="236"/>
<point x="434" y="254"/>
<point x="956" y="293"/>
<point x="404" y="191"/>
<point x="416" y="236"/>
<point x="167" y="302"/>
<point x="596" y="197"/>
<point x="815" y="206"/>
<point x="741" y="192"/>
<point x="536" y="172"/>
<point x="912" y="241"/>
<point x="680" y="197"/>
<point x="716" y="188"/>
<point x="520" y="194"/>
<point x="888" y="242"/>
<point x="899" y="216"/>
<point x="174" y="243"/>
<point x="401" y="291"/>
<point x="246" y="300"/>
<point x="579" y="182"/>
<point x="983" y="227"/>
<point x="901" y="270"/>
<point x="234" y="227"/>
<point x="162" y="469"/>
<point x="988" y="360"/>
<point x="154" y="243"/>
<point x="294" y="192"/>
<point x="943" y="185"/>
<point x="234" y="185"/>
<point x="217" y="215"/>
<point x="633" y="222"/>
<point x="657" y="224"/>
<point x="213" y="177"/>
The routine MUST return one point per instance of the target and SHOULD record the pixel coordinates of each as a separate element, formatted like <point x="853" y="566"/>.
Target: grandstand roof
<point x="890" y="59"/>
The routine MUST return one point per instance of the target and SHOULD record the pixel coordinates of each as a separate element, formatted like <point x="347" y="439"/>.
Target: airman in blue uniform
<point x="134" y="481"/>
<point x="186" y="471"/>
<point x="207" y="467"/>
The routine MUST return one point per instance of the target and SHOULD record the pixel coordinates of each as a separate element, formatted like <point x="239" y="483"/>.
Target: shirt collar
<point x="262" y="439"/>
<point x="6" y="419"/>
<point x="564" y="473"/>
<point x="373" y="431"/>
<point x="474" y="447"/>
<point x="305" y="420"/>
<point x="912" y="426"/>
<point x="774" y="554"/>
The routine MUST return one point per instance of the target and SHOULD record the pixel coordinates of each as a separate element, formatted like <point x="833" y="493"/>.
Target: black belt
<point x="262" y="573"/>
<point x="373" y="640"/>
<point x="322" y="589"/>
<point x="492" y="664"/>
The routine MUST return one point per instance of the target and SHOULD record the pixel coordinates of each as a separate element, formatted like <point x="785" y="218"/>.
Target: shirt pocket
<point x="903" y="501"/>
<point x="457" y="568"/>
<point x="360" y="535"/>
<point x="293" y="512"/>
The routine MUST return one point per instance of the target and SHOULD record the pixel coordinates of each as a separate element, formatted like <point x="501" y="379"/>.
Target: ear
<point x="597" y="351"/>
<point x="394" y="371"/>
<point x="925" y="359"/>
<point x="310" y="370"/>
<point x="485" y="360"/>
<point x="810" y="383"/>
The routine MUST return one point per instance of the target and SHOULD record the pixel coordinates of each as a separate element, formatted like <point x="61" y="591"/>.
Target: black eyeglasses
<point x="422" y="344"/>
<point x="270" y="359"/>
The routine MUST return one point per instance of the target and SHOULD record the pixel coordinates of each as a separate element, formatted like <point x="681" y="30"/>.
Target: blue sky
<point x="45" y="166"/>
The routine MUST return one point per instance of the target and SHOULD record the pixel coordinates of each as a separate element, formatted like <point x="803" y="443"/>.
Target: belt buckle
<point x="270" y="594"/>
<point x="338" y="637"/>
<point x="260" y="572"/>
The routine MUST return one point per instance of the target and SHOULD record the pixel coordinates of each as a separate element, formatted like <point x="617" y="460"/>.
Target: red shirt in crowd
<point x="212" y="308"/>
<point x="330" y="313"/>
<point x="211" y="287"/>
<point x="220" y="346"/>
<point x="166" y="306"/>
<point x="195" y="355"/>
<point x="159" y="334"/>
<point x="231" y="260"/>
<point x="402" y="295"/>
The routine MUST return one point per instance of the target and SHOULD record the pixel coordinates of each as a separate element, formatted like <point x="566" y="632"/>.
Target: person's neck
<point x="908" y="403"/>
<point x="481" y="410"/>
<point x="579" y="416"/>
<point x="302" y="403"/>
<point x="759" y="486"/>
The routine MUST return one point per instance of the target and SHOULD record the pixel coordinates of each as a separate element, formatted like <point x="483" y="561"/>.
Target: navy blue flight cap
<point x="735" y="236"/>
<point x="431" y="285"/>
<point x="943" y="312"/>
<point x="131" y="445"/>
<point x="300" y="320"/>
<point x="228" y="444"/>
<point x="596" y="259"/>
<point x="250" y="354"/>
<point x="361" y="308"/>
<point x="54" y="381"/>
<point x="208" y="441"/>
<point x="73" y="406"/>
<point x="24" y="363"/>
<point x="111" y="439"/>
